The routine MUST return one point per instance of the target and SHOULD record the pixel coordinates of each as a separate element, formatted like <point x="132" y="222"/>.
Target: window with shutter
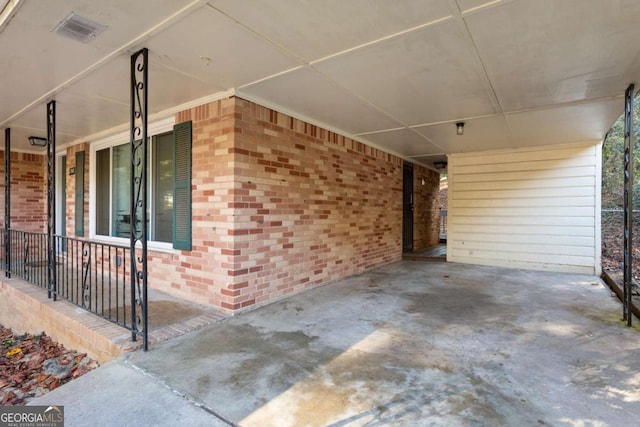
<point x="111" y="186"/>
<point x="79" y="193"/>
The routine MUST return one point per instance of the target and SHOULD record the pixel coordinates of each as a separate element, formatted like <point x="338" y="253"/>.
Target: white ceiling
<point x="395" y="74"/>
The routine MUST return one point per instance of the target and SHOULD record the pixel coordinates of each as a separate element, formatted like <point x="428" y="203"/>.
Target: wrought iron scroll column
<point x="628" y="202"/>
<point x="51" y="200"/>
<point x="7" y="204"/>
<point x="138" y="241"/>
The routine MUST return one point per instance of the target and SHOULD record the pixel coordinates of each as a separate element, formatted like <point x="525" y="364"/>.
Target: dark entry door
<point x="407" y="207"/>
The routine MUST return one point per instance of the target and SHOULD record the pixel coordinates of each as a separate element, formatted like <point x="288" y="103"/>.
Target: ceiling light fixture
<point x="37" y="141"/>
<point x="440" y="165"/>
<point x="460" y="128"/>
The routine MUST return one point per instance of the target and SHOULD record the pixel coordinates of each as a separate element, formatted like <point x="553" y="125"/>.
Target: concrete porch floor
<point x="407" y="344"/>
<point x="434" y="253"/>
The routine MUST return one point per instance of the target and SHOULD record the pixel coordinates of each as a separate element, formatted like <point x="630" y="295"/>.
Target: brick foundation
<point x="26" y="308"/>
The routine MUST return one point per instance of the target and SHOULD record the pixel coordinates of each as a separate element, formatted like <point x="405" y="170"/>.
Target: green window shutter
<point x="182" y="186"/>
<point x="79" y="193"/>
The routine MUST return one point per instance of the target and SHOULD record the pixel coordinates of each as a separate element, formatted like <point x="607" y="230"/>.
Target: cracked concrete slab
<point x="411" y="343"/>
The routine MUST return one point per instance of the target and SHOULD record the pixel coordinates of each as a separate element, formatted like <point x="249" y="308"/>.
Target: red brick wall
<point x="426" y="213"/>
<point x="202" y="273"/>
<point x="28" y="191"/>
<point x="279" y="206"/>
<point x="310" y="206"/>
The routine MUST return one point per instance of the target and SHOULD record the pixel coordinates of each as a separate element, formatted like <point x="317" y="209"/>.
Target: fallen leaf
<point x="13" y="352"/>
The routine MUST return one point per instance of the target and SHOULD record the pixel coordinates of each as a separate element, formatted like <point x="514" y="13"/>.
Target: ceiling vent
<point x="79" y="28"/>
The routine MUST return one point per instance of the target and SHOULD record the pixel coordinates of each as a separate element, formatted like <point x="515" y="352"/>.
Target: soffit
<point x="397" y="75"/>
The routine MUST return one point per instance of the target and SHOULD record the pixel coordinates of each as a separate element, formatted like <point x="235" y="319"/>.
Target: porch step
<point x="25" y="308"/>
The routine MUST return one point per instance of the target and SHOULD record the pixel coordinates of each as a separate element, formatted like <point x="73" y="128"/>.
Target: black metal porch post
<point x="138" y="143"/>
<point x="7" y="204"/>
<point x="51" y="200"/>
<point x="628" y="202"/>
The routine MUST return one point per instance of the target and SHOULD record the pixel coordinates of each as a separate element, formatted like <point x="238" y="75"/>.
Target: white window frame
<point x="153" y="129"/>
<point x="61" y="204"/>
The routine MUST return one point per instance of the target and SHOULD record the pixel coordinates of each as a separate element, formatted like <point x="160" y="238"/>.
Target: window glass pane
<point x="113" y="188"/>
<point x="163" y="188"/>
<point x="103" y="169"/>
<point x="120" y="214"/>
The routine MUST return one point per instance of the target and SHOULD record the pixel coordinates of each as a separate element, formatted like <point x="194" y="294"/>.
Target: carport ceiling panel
<point x="309" y="95"/>
<point x="566" y="124"/>
<point x="488" y="133"/>
<point x="45" y="60"/>
<point x="13" y="98"/>
<point x="402" y="141"/>
<point x="167" y="88"/>
<point x="425" y="76"/>
<point x="35" y="61"/>
<point x="317" y="29"/>
<point x="474" y="6"/>
<point x="466" y="5"/>
<point x="35" y="119"/>
<point x="76" y="114"/>
<point x="83" y="115"/>
<point x="95" y="102"/>
<point x="110" y="82"/>
<point x="211" y="47"/>
<point x="573" y="50"/>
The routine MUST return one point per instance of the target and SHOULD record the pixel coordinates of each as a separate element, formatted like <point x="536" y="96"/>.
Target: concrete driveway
<point x="412" y="343"/>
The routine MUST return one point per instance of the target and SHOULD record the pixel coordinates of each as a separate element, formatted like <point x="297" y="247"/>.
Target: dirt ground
<point x="33" y="365"/>
<point x="612" y="243"/>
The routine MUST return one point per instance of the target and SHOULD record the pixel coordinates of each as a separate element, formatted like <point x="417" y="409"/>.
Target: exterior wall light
<point x="460" y="128"/>
<point x="37" y="141"/>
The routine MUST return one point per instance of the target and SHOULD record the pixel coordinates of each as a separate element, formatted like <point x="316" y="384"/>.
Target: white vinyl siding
<point x="535" y="208"/>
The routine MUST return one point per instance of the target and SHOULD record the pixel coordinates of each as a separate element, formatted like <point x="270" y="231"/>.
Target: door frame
<point x="407" y="206"/>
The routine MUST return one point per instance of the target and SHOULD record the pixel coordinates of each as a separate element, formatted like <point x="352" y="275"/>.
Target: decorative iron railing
<point x="93" y="275"/>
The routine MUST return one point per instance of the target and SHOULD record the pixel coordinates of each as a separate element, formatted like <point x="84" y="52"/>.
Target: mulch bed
<point x="32" y="365"/>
